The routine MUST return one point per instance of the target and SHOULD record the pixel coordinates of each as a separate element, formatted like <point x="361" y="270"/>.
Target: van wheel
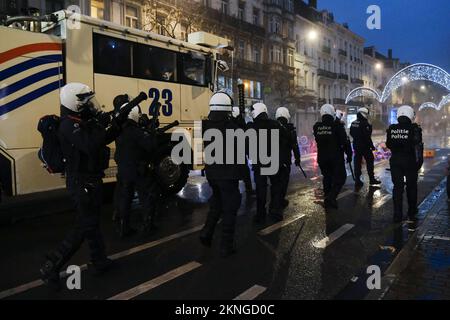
<point x="171" y="177"/>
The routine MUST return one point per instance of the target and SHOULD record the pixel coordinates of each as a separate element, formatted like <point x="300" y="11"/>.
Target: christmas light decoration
<point x="445" y="100"/>
<point x="428" y="105"/>
<point x="363" y="92"/>
<point x="418" y="71"/>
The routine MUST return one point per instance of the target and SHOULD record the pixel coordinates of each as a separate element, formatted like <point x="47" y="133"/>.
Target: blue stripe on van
<point x="6" y="91"/>
<point x="30" y="97"/>
<point x="20" y="67"/>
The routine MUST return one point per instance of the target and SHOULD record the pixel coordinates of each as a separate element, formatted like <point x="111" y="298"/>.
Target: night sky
<point x="416" y="30"/>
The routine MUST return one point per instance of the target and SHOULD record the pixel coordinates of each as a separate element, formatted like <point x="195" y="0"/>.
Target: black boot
<point x="51" y="269"/>
<point x="101" y="266"/>
<point x="123" y="228"/>
<point x="285" y="203"/>
<point x="331" y="203"/>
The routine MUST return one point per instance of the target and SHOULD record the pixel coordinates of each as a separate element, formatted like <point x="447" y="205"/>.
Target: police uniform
<point x="288" y="146"/>
<point x="223" y="180"/>
<point x="246" y="175"/>
<point x="405" y="142"/>
<point x="262" y="122"/>
<point x="361" y="132"/>
<point x="133" y="149"/>
<point x="332" y="143"/>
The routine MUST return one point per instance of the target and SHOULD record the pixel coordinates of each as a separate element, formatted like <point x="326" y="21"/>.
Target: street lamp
<point x="378" y="66"/>
<point x="312" y="35"/>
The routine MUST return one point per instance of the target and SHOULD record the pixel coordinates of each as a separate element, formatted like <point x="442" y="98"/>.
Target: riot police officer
<point x="288" y="147"/>
<point x="240" y="122"/>
<point x="361" y="132"/>
<point x="405" y="142"/>
<point x="261" y="122"/>
<point x="332" y="143"/>
<point x="83" y="141"/>
<point x="133" y="149"/>
<point x="222" y="177"/>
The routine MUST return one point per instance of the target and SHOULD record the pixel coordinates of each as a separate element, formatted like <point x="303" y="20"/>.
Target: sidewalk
<point x="426" y="274"/>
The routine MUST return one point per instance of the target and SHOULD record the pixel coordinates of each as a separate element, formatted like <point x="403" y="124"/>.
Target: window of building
<point x="290" y="58"/>
<point x="274" y="25"/>
<point x="225" y="6"/>
<point x="257" y="54"/>
<point x="290" y="30"/>
<point x="241" y="10"/>
<point x="306" y="80"/>
<point x="154" y="63"/>
<point x="271" y="54"/>
<point x="256" y="14"/>
<point x="313" y="80"/>
<point x="131" y="17"/>
<point x="97" y="9"/>
<point x="109" y="51"/>
<point x="277" y="54"/>
<point x="289" y="5"/>
<point x="161" y="24"/>
<point x="207" y="3"/>
<point x="241" y="49"/>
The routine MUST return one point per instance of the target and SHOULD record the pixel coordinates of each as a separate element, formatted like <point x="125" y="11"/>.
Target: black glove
<point x="297" y="162"/>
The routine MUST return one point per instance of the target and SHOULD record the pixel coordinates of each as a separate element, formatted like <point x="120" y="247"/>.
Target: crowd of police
<point x="85" y="132"/>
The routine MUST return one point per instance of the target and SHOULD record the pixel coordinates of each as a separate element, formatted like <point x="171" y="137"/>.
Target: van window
<point x="112" y="55"/>
<point x="193" y="67"/>
<point x="155" y="63"/>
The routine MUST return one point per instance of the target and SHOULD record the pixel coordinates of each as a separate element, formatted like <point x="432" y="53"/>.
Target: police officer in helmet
<point x="361" y="132"/>
<point x="405" y="142"/>
<point x="262" y="123"/>
<point x="84" y="141"/>
<point x="133" y="149"/>
<point x="222" y="177"/>
<point x="332" y="143"/>
<point x="288" y="146"/>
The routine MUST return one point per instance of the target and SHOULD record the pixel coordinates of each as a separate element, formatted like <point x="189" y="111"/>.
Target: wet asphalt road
<point x="293" y="260"/>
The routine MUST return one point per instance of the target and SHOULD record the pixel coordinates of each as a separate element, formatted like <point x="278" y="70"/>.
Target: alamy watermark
<point x="374" y="20"/>
<point x="230" y="148"/>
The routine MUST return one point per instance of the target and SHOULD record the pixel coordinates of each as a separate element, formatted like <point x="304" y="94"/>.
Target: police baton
<point x="351" y="170"/>
<point x="303" y="171"/>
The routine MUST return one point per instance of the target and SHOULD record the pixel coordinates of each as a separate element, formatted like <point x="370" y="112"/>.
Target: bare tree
<point x="169" y="18"/>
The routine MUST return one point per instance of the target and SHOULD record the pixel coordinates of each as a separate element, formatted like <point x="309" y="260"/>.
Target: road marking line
<point x="156" y="282"/>
<point x="382" y="201"/>
<point x="325" y="242"/>
<point x="155" y="243"/>
<point x="145" y="246"/>
<point x="279" y="225"/>
<point x="436" y="238"/>
<point x="251" y="293"/>
<point x="344" y="194"/>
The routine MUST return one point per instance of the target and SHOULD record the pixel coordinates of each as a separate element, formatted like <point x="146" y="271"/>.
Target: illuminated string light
<point x="363" y="92"/>
<point x="445" y="100"/>
<point x="418" y="71"/>
<point x="428" y="105"/>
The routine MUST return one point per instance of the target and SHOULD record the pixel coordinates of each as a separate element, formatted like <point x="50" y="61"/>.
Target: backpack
<point x="51" y="153"/>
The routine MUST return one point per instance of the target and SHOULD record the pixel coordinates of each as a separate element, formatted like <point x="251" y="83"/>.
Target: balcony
<point x="342" y="53"/>
<point x="326" y="49"/>
<point x="338" y="101"/>
<point x="326" y="74"/>
<point x="343" y="76"/>
<point x="357" y="81"/>
<point x="233" y="22"/>
<point x="249" y="65"/>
